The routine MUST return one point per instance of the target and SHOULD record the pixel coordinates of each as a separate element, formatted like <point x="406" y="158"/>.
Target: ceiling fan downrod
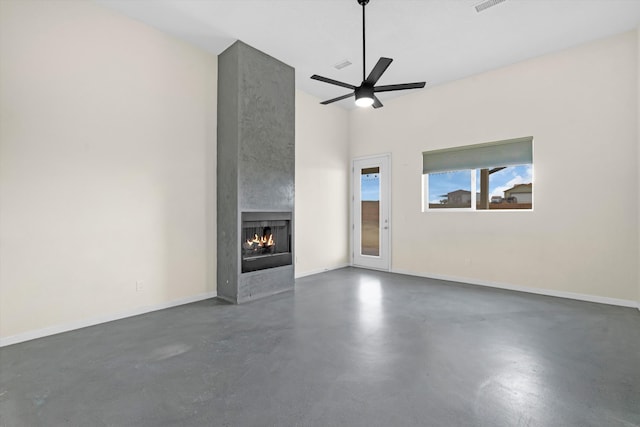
<point x="363" y="3"/>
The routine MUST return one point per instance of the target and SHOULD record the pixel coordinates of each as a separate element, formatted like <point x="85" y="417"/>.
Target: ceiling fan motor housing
<point x="364" y="91"/>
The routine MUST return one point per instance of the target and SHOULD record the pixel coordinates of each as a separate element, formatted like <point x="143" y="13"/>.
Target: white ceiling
<point x="430" y="40"/>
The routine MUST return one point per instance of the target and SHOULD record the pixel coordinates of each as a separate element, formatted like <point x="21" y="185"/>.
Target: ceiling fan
<point x="365" y="93"/>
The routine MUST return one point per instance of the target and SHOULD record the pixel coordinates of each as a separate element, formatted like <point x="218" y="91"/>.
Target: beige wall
<point x="580" y="105"/>
<point x="107" y="157"/>
<point x="322" y="186"/>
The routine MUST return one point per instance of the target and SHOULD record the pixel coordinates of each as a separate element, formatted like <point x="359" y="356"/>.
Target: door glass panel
<point x="370" y="217"/>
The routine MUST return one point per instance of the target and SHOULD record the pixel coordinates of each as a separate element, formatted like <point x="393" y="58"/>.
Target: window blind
<point x="511" y="152"/>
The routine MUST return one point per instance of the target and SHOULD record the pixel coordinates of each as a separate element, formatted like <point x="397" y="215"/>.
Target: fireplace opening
<point x="265" y="240"/>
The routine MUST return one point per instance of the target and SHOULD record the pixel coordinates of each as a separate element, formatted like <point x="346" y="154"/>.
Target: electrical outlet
<point x="139" y="285"/>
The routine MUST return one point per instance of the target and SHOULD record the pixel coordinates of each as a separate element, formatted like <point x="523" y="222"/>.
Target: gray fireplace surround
<point x="255" y="174"/>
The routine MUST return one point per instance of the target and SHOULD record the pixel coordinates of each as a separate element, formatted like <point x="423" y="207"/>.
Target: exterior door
<point x="370" y="221"/>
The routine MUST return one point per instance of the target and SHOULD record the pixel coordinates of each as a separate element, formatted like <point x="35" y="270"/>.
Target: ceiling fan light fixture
<point x="364" y="96"/>
<point x="364" y="102"/>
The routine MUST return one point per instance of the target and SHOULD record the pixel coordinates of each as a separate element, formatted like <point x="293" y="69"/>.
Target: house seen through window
<point x="496" y="175"/>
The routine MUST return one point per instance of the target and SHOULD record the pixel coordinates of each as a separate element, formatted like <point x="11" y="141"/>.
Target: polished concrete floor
<point x="349" y="348"/>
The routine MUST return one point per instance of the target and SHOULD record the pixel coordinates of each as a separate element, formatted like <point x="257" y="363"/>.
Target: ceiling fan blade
<point x="403" y="86"/>
<point x="340" y="98"/>
<point x="376" y="102"/>
<point x="376" y="73"/>
<point x="331" y="81"/>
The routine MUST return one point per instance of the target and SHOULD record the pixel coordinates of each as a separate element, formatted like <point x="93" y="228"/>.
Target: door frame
<point x="385" y="210"/>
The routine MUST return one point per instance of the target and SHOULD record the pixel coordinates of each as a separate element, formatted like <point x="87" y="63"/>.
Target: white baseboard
<point x="66" y="327"/>
<point x="538" y="291"/>
<point x="321" y="270"/>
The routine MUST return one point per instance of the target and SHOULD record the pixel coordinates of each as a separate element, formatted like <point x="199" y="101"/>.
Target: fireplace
<point x="265" y="240"/>
<point x="255" y="174"/>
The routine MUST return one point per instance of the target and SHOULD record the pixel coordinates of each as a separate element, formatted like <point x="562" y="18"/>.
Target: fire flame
<point x="262" y="242"/>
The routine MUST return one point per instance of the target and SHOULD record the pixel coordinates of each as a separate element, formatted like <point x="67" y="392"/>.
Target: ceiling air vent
<point x="342" y="64"/>
<point x="487" y="4"/>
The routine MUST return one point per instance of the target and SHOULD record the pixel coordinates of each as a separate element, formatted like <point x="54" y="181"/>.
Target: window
<point x="491" y="176"/>
<point x="450" y="189"/>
